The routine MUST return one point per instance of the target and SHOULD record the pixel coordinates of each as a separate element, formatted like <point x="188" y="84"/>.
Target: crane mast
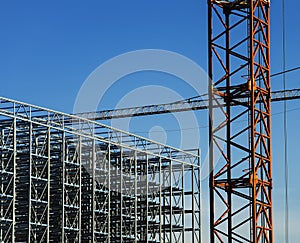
<point x="241" y="179"/>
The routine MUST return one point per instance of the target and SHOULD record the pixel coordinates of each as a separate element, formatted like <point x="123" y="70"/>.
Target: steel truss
<point x="194" y="103"/>
<point x="239" y="67"/>
<point x="68" y="179"/>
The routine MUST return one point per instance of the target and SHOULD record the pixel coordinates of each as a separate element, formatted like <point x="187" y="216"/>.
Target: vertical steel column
<point x="147" y="200"/>
<point x="160" y="198"/>
<point x="93" y="188"/>
<point x="193" y="205"/>
<point x="79" y="160"/>
<point x="121" y="195"/>
<point x="109" y="193"/>
<point x="183" y="202"/>
<point x="239" y="68"/>
<point x="194" y="173"/>
<point x="63" y="154"/>
<point x="30" y="182"/>
<point x="170" y="198"/>
<point x="14" y="176"/>
<point x="135" y="198"/>
<point x="49" y="180"/>
<point x="199" y="197"/>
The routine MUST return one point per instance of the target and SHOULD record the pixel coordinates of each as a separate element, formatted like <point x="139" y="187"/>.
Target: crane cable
<point x="286" y="168"/>
<point x="284" y="72"/>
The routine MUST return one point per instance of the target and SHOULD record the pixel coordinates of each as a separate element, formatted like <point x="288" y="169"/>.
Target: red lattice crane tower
<point x="239" y="67"/>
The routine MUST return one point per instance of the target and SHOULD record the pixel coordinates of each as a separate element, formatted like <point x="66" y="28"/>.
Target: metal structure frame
<point x="239" y="67"/>
<point x="68" y="179"/>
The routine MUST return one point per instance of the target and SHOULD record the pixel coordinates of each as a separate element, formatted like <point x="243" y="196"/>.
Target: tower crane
<point x="241" y="182"/>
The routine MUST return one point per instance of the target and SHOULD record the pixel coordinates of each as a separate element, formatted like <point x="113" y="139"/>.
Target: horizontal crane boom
<point x="195" y="103"/>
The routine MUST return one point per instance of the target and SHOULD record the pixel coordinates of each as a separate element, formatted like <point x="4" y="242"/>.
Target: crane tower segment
<point x="239" y="67"/>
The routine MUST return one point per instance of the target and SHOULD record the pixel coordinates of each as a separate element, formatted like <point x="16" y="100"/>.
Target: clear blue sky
<point x="48" y="49"/>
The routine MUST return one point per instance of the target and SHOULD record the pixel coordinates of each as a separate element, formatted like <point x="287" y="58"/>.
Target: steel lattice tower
<point x="239" y="67"/>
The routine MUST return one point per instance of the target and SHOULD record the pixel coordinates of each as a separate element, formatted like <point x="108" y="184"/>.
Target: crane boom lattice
<point x="194" y="103"/>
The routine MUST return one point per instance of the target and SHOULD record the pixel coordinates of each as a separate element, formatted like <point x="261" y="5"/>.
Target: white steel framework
<point x="68" y="179"/>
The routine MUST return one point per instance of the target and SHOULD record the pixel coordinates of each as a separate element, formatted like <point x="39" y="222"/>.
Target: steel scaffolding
<point x="64" y="178"/>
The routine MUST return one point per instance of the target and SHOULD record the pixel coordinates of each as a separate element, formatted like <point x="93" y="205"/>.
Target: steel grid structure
<point x="239" y="67"/>
<point x="68" y="179"/>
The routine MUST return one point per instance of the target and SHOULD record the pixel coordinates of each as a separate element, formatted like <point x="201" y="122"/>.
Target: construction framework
<point x="239" y="67"/>
<point x="64" y="178"/>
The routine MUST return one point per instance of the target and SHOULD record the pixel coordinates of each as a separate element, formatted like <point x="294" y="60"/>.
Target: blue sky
<point x="49" y="48"/>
